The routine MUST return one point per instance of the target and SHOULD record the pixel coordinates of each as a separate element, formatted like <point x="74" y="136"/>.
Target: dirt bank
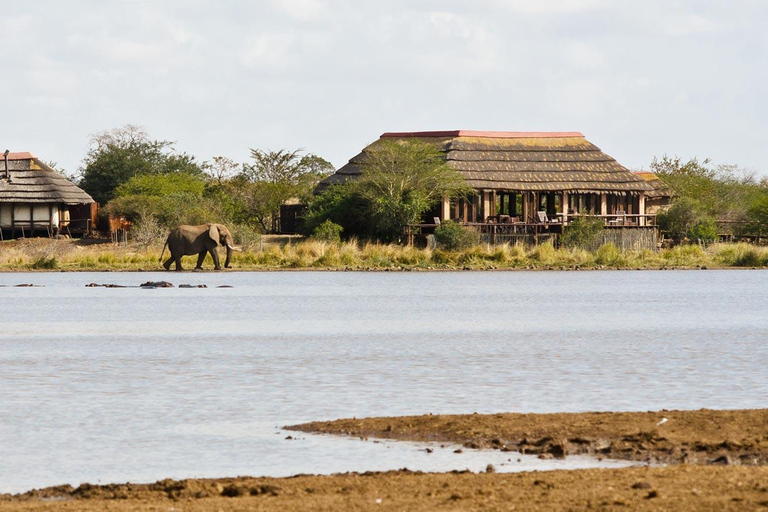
<point x="727" y="447"/>
<point x="698" y="437"/>
<point x="671" y="488"/>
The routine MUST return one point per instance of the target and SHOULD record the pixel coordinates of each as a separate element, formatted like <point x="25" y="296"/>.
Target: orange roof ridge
<point x="18" y="155"/>
<point x="483" y="134"/>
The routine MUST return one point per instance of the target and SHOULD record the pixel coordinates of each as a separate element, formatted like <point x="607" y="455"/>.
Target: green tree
<point x="275" y="177"/>
<point x="686" y="219"/>
<point x="403" y="179"/>
<point x="723" y="192"/>
<point x="117" y="155"/>
<point x="758" y="215"/>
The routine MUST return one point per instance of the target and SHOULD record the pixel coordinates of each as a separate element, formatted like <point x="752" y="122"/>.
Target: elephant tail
<point x="163" y="251"/>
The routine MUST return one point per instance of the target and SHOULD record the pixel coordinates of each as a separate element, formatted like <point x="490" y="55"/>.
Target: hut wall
<point x="6" y="216"/>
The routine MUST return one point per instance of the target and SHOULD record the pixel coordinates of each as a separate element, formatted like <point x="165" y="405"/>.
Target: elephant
<point x="188" y="240"/>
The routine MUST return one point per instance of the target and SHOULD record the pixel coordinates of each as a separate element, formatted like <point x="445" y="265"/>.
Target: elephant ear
<point x="213" y="232"/>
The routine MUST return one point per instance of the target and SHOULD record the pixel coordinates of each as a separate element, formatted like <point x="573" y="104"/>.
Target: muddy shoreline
<point x="718" y="460"/>
<point x="736" y="437"/>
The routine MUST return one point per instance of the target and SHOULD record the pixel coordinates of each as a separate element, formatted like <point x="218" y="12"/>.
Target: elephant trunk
<point x="230" y="248"/>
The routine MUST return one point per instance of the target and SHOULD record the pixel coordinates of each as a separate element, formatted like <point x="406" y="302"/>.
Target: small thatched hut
<point x="658" y="199"/>
<point x="36" y="200"/>
<point x="526" y="175"/>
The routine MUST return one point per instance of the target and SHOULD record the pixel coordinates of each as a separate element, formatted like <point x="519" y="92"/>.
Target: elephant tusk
<point x="233" y="248"/>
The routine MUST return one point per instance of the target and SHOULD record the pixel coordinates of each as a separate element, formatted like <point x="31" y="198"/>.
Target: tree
<point x="687" y="219"/>
<point x="758" y="215"/>
<point x="403" y="179"/>
<point x="723" y="192"/>
<point x="277" y="176"/>
<point x="221" y="169"/>
<point x="117" y="155"/>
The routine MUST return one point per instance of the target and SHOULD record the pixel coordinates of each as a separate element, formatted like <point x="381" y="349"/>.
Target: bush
<point x="328" y="232"/>
<point x="582" y="232"/>
<point x="453" y="236"/>
<point x="686" y="219"/>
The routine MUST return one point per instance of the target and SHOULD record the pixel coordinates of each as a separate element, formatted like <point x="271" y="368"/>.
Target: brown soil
<point x="698" y="437"/>
<point x="671" y="488"/>
<point x="721" y="448"/>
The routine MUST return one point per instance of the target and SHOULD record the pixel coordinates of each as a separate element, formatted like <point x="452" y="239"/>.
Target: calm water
<point x="131" y="384"/>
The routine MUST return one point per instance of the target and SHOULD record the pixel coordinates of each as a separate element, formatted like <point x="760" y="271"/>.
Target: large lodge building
<point x="528" y="178"/>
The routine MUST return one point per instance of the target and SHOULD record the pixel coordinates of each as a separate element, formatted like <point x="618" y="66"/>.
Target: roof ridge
<point x="482" y="134"/>
<point x="19" y="155"/>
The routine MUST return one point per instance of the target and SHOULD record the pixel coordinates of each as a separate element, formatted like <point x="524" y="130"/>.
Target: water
<point x="105" y="385"/>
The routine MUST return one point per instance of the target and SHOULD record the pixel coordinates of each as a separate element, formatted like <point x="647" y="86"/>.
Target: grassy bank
<point x="72" y="255"/>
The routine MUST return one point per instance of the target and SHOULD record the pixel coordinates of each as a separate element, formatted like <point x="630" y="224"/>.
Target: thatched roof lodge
<point x="37" y="200"/>
<point x="526" y="175"/>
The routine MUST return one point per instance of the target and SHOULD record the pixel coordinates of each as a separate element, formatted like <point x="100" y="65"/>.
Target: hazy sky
<point x="638" y="78"/>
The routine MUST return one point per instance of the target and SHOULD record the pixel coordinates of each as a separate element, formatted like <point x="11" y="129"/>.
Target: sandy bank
<point x="724" y="453"/>
<point x="698" y="437"/>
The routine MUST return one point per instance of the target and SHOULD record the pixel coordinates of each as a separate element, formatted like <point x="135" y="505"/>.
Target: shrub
<point x="608" y="254"/>
<point x="453" y="236"/>
<point x="44" y="263"/>
<point x="686" y="219"/>
<point x="328" y="231"/>
<point x="582" y="232"/>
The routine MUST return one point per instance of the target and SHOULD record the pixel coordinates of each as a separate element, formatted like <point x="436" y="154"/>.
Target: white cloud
<point x="688" y="24"/>
<point x="267" y="50"/>
<point x="550" y="7"/>
<point x="304" y="10"/>
<point x="584" y="56"/>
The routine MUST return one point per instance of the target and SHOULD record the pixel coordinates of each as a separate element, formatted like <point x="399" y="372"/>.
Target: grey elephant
<point x="188" y="240"/>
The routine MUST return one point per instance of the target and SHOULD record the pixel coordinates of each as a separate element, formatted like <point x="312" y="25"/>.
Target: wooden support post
<point x="486" y="205"/>
<point x="603" y="204"/>
<point x="641" y="209"/>
<point x="564" y="204"/>
<point x="445" y="210"/>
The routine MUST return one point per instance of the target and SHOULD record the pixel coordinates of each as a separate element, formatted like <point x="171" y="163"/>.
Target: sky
<point x="638" y="78"/>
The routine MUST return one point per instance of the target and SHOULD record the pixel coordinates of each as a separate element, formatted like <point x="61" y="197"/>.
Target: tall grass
<point x="315" y="254"/>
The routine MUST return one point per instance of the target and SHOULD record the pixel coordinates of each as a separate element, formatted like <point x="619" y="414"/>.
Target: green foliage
<point x="758" y="215"/>
<point x="44" y="263"/>
<point x="162" y="185"/>
<point x="583" y="232"/>
<point x="453" y="236"/>
<point x="686" y="219"/>
<point x="116" y="156"/>
<point x="328" y="232"/>
<point x="401" y="180"/>
<point x="723" y="192"/>
<point x="342" y="205"/>
<point x="275" y="177"/>
<point x="608" y="254"/>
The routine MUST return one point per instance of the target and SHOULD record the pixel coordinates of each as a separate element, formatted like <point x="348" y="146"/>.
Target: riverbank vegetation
<point x="297" y="254"/>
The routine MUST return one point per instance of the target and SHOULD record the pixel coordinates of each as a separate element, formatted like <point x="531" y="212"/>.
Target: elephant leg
<point x="200" y="259"/>
<point x="178" y="264"/>
<point x="215" y="256"/>
<point x="168" y="262"/>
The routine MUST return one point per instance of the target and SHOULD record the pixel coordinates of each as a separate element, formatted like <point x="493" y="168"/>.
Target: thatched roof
<point x="660" y="189"/>
<point x="33" y="181"/>
<point x="518" y="161"/>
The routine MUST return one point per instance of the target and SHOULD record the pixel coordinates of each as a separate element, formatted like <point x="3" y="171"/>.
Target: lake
<point x="128" y="384"/>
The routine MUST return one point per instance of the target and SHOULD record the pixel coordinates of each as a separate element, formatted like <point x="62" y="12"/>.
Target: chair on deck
<point x="620" y="219"/>
<point x="542" y="216"/>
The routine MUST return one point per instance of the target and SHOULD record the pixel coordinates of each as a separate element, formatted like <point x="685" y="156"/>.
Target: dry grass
<point x="44" y="254"/>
